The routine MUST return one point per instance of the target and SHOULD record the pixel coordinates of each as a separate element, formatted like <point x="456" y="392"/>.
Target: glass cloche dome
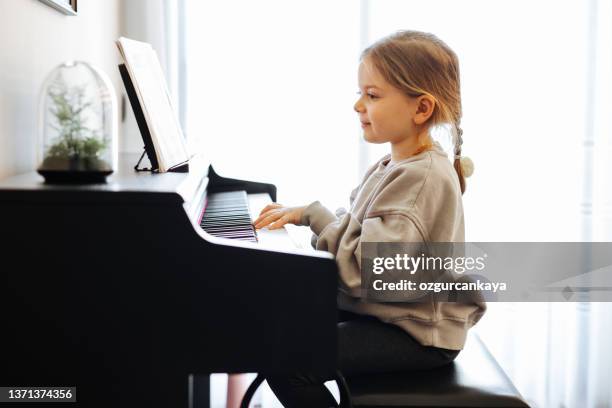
<point x="78" y="125"/>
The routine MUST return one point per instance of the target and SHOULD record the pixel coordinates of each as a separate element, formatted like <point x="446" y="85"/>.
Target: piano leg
<point x="199" y="391"/>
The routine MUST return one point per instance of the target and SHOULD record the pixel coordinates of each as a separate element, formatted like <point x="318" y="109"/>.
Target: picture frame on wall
<point x="68" y="7"/>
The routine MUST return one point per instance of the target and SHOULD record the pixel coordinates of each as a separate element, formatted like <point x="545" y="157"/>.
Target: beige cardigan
<point x="414" y="200"/>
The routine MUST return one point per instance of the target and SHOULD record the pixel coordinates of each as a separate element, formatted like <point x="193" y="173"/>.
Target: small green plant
<point x="76" y="147"/>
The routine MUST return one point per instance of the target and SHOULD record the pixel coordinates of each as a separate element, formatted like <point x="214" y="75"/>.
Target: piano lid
<point x="142" y="187"/>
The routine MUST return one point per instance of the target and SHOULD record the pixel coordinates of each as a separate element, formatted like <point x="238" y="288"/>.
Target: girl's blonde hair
<point x="420" y="63"/>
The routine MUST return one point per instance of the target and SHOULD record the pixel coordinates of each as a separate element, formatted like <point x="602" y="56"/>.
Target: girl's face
<point x="386" y="114"/>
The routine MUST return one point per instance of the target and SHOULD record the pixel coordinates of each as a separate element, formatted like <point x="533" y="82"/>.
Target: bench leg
<point x="345" y="394"/>
<point x="248" y="395"/>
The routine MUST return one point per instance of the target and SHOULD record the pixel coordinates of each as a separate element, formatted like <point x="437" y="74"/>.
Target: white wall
<point x="34" y="38"/>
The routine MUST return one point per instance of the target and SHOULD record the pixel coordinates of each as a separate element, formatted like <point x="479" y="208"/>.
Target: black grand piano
<point x="135" y="290"/>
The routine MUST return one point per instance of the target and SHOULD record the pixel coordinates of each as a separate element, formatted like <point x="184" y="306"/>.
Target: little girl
<point x="409" y="83"/>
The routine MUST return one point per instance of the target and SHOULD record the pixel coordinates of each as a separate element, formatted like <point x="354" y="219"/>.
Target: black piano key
<point x="225" y="221"/>
<point x="226" y="217"/>
<point x="221" y="223"/>
<point x="242" y="228"/>
<point x="229" y="231"/>
<point x="210" y="213"/>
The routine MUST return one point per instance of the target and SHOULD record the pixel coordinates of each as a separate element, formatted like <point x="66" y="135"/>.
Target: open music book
<point x="147" y="78"/>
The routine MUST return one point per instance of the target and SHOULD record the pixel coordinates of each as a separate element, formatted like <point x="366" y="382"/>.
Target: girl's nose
<point x="358" y="107"/>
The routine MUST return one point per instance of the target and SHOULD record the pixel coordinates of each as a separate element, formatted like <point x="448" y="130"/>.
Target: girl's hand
<point x="275" y="215"/>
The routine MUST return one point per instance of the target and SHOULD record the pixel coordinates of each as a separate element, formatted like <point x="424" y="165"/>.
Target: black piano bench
<point x="474" y="379"/>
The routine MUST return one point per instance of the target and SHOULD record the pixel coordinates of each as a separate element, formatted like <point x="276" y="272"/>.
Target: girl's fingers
<point x="269" y="207"/>
<point x="265" y="220"/>
<point x="259" y="222"/>
<point x="266" y="211"/>
<point x="263" y="214"/>
<point x="279" y="223"/>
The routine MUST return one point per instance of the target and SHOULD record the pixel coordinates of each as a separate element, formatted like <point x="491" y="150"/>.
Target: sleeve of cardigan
<point x="343" y="238"/>
<point x="318" y="216"/>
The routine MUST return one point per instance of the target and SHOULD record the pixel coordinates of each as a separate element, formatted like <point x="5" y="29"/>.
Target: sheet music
<point x="148" y="78"/>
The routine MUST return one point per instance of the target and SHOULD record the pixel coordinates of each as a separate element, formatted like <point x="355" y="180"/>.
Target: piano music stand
<point x="149" y="148"/>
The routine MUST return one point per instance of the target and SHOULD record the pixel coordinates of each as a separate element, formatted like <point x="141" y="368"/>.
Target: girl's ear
<point x="425" y="107"/>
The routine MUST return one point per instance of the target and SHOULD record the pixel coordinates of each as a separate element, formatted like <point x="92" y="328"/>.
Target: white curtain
<point x="269" y="91"/>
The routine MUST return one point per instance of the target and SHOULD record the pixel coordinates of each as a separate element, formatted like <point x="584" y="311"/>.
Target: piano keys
<point x="227" y="215"/>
